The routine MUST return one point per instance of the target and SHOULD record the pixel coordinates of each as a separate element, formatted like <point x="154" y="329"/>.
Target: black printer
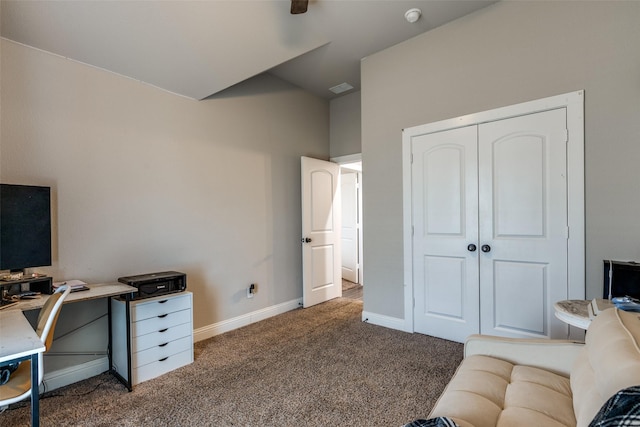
<point x="155" y="284"/>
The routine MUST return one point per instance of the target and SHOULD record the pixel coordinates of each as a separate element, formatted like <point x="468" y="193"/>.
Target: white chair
<point x="19" y="385"/>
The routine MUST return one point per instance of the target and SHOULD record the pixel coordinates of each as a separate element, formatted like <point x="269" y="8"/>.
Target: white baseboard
<point x="72" y="374"/>
<point x="386" y="321"/>
<point x="246" y="319"/>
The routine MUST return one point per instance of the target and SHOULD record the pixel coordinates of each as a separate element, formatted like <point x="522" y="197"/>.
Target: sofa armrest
<point x="554" y="355"/>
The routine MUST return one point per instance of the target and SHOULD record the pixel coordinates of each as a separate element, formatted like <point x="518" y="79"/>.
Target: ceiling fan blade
<point x="299" y="6"/>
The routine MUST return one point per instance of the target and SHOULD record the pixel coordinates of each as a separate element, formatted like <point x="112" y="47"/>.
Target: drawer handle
<point x="163" y="359"/>
<point x="162" y="345"/>
<point x="162" y="316"/>
<point x="163" y="330"/>
<point x="163" y="301"/>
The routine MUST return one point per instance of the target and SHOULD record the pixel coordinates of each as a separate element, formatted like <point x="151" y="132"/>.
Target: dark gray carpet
<point x="320" y="366"/>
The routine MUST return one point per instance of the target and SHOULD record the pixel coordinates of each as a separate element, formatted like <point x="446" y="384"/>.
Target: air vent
<point x="342" y="87"/>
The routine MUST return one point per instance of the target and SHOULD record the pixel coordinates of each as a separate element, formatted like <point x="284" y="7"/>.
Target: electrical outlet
<point x="251" y="290"/>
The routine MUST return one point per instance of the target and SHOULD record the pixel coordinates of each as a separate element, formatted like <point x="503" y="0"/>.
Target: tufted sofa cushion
<point x="498" y="383"/>
<point x="486" y="391"/>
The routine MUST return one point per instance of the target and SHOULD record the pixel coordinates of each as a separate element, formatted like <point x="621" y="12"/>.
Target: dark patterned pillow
<point x="622" y="409"/>
<point x="432" y="422"/>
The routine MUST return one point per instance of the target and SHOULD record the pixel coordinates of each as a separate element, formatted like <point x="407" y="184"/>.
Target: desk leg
<point x="110" y="343"/>
<point x="35" y="391"/>
<point x="129" y="381"/>
<point x="128" y="321"/>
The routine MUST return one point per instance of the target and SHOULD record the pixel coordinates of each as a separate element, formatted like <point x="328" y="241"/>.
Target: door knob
<point x="486" y="248"/>
<point x="471" y="248"/>
<point x="305" y="240"/>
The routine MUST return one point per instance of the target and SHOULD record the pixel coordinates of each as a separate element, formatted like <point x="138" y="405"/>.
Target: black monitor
<point x="25" y="226"/>
<point x="621" y="278"/>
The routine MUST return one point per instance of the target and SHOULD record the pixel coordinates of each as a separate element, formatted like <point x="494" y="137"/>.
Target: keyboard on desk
<point x="26" y="295"/>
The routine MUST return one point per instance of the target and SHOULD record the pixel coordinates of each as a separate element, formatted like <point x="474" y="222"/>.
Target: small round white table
<point x="580" y="313"/>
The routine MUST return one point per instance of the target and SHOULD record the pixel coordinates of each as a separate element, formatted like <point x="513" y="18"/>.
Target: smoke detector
<point x="412" y="15"/>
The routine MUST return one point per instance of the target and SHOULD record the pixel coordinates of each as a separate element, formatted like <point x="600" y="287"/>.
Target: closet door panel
<point x="445" y="281"/>
<point x="519" y="186"/>
<point x="445" y="218"/>
<point x="523" y="211"/>
<point x="519" y="308"/>
<point x="444" y="199"/>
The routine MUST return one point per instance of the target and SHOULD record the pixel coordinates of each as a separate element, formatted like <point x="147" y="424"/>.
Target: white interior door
<point x="321" y="264"/>
<point x="524" y="224"/>
<point x="350" y="225"/>
<point x="445" y="218"/>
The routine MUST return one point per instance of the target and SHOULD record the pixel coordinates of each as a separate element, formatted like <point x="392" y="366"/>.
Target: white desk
<point x="96" y="291"/>
<point x="18" y="341"/>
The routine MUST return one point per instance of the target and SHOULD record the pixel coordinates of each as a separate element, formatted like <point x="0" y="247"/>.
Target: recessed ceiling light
<point x="342" y="87"/>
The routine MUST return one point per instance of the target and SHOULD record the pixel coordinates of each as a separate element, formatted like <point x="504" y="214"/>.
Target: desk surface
<point x="96" y="291"/>
<point x="17" y="337"/>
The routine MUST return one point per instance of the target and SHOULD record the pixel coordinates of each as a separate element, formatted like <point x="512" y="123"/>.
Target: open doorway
<point x="351" y="233"/>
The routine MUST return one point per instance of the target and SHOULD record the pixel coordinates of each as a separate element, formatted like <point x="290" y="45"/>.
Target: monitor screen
<point x="25" y="226"/>
<point x="621" y="278"/>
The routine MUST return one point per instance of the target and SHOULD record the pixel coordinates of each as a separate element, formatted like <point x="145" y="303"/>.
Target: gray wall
<point x="345" y="131"/>
<point x="144" y="180"/>
<point x="505" y="54"/>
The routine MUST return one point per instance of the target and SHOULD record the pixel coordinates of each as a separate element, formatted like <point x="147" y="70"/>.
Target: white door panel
<point x="322" y="266"/>
<point x="445" y="198"/>
<point x="523" y="206"/>
<point x="349" y="193"/>
<point x="320" y="231"/>
<point x="444" y="298"/>
<point x="521" y="309"/>
<point x="518" y="170"/>
<point x="322" y="189"/>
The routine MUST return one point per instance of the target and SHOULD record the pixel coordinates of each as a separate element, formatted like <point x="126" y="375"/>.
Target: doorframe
<point x="574" y="104"/>
<point x="351" y="158"/>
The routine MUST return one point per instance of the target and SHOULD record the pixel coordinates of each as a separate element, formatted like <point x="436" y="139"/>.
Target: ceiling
<point x="199" y="48"/>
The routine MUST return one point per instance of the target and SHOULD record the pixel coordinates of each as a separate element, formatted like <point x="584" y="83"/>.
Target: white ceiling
<point x="199" y="48"/>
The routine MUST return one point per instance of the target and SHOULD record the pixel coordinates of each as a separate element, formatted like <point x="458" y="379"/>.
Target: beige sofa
<point x="519" y="382"/>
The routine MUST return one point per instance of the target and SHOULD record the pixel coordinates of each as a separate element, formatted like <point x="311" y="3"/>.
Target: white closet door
<point x="523" y="224"/>
<point x="445" y="218"/>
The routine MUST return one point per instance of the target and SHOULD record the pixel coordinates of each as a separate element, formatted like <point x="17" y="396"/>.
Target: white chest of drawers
<point x="161" y="330"/>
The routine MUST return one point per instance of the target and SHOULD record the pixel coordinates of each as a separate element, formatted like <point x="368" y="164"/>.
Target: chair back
<point x="19" y="385"/>
<point x="49" y="315"/>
